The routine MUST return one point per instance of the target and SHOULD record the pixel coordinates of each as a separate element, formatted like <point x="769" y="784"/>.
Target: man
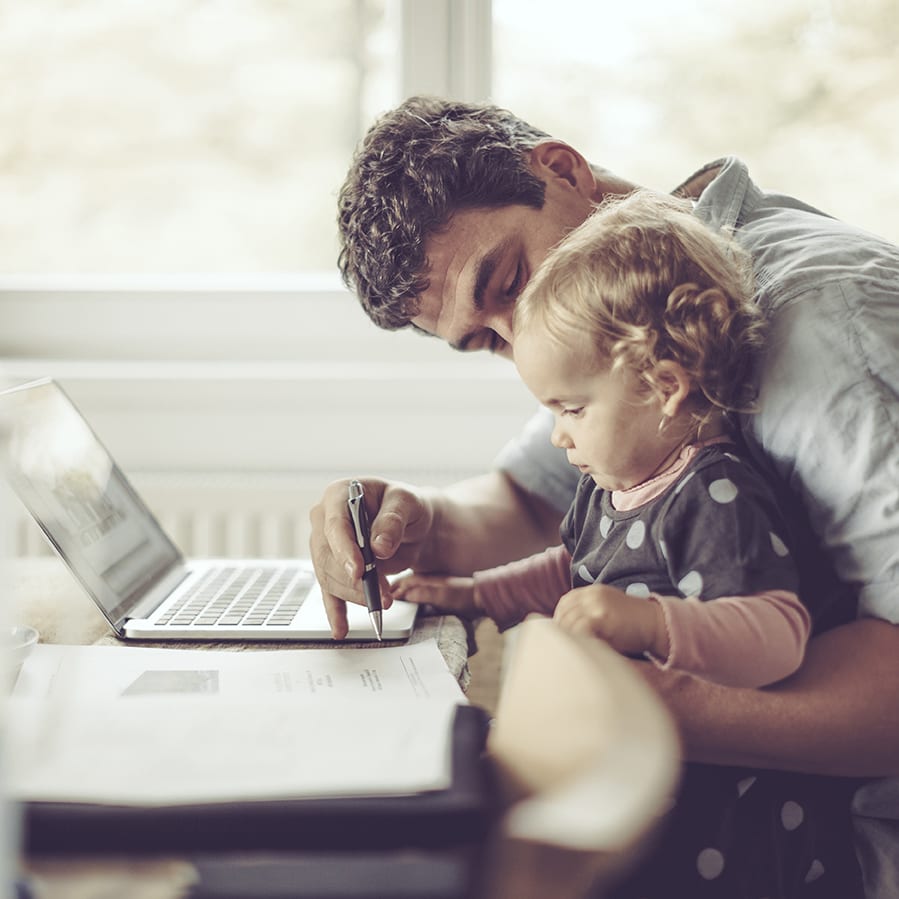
<point x="447" y="211"/>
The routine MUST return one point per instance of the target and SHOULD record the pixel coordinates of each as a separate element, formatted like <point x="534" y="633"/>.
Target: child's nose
<point x="559" y="438"/>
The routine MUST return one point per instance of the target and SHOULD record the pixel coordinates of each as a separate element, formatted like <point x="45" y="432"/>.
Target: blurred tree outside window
<point x="211" y="136"/>
<point x="803" y="90"/>
<point x="183" y="136"/>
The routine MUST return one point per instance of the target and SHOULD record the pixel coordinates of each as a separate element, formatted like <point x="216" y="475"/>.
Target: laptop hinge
<point x="154" y="595"/>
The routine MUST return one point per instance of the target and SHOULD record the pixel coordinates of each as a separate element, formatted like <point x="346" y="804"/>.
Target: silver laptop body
<point x="117" y="550"/>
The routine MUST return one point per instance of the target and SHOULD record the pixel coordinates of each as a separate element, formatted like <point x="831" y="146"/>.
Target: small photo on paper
<point x="155" y="682"/>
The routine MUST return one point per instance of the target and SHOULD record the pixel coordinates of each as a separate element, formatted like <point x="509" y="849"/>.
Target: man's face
<point x="482" y="260"/>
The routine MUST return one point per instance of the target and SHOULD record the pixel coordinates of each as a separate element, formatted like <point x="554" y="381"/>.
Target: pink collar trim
<point x="640" y="494"/>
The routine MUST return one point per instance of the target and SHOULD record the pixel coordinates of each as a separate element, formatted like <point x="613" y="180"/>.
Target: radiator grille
<point x="255" y="516"/>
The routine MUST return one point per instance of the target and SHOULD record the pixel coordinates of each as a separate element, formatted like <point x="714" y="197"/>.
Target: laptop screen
<point x="81" y="499"/>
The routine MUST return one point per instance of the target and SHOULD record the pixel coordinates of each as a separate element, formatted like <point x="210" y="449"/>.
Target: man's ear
<point x="551" y="159"/>
<point x="672" y="385"/>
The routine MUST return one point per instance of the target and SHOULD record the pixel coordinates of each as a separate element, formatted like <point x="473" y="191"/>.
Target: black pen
<point x="370" y="585"/>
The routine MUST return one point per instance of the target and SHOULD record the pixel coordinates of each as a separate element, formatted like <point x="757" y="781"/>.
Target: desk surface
<point x="48" y="598"/>
<point x="45" y="596"/>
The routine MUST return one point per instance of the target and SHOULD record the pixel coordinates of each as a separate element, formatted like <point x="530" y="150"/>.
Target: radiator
<point x="250" y="515"/>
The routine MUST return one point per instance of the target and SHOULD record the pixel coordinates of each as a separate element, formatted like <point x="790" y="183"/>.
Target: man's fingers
<point x="333" y="553"/>
<point x="336" y="611"/>
<point x="337" y="559"/>
<point x="338" y="538"/>
<point x="390" y="521"/>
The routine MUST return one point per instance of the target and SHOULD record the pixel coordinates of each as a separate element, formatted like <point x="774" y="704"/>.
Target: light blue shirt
<point x="828" y="416"/>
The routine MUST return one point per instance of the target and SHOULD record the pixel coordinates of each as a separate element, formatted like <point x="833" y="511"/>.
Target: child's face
<point x="608" y="421"/>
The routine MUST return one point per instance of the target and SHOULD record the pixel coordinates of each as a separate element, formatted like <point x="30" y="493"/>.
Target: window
<point x="168" y="238"/>
<point x="802" y="90"/>
<point x="169" y="172"/>
<point x="182" y="136"/>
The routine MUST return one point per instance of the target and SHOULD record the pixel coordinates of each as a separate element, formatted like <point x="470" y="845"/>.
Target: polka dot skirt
<point x="742" y="834"/>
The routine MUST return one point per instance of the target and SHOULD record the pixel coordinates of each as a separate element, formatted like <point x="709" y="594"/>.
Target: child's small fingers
<point x="386" y="592"/>
<point x="566" y="617"/>
<point x="419" y="593"/>
<point x="400" y="584"/>
<point x="401" y="589"/>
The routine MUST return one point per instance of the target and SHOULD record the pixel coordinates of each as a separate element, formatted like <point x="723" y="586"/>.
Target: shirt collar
<point x="723" y="193"/>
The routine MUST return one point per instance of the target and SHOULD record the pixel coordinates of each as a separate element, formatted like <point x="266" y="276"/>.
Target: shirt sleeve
<point x="738" y="641"/>
<point x="829" y="409"/>
<point x="509" y="592"/>
<point x="537" y="466"/>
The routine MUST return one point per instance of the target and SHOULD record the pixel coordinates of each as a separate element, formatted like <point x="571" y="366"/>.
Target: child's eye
<point x="573" y="411"/>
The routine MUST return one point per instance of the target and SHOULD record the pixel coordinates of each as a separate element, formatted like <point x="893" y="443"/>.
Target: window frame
<point x="129" y="348"/>
<point x="445" y="47"/>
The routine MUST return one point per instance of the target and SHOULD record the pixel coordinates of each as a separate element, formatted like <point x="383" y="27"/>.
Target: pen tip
<point x="376" y="623"/>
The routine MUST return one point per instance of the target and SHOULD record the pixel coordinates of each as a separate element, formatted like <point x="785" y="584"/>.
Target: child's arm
<point x="725" y="539"/>
<point x="506" y="593"/>
<point x="448" y="593"/>
<point x="737" y="641"/>
<point x="630" y="624"/>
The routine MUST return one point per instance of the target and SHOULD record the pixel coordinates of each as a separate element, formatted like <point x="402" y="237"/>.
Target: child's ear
<point x="673" y="385"/>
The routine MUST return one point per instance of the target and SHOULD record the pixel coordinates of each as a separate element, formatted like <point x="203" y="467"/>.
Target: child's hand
<point x="450" y="594"/>
<point x="630" y="624"/>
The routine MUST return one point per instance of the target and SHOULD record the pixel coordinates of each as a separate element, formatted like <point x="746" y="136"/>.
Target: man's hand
<point x="400" y="523"/>
<point x="630" y="624"/>
<point x="449" y="594"/>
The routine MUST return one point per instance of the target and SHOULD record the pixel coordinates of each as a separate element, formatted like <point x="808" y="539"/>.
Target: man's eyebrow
<point x="485" y="269"/>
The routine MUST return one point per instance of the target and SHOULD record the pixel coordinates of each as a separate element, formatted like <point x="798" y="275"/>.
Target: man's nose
<point x="500" y="322"/>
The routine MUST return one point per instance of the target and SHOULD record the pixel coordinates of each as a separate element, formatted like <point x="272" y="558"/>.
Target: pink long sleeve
<point x="509" y="592"/>
<point x="746" y="641"/>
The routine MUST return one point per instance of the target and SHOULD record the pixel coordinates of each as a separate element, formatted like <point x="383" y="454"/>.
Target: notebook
<point x="115" y="547"/>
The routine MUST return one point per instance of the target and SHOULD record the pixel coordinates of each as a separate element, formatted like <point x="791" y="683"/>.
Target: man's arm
<point x="484" y="522"/>
<point x="839" y="714"/>
<point x="475" y="524"/>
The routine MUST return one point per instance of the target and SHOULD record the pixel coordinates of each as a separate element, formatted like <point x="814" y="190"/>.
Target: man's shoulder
<point x="692" y="188"/>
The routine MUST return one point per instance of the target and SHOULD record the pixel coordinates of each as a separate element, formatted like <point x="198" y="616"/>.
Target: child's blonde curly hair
<point x="643" y="280"/>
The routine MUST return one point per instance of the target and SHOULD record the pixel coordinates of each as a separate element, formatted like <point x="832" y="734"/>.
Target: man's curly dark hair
<point x="416" y="167"/>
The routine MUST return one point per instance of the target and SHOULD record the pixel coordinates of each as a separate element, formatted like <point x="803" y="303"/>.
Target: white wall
<point x="254" y="396"/>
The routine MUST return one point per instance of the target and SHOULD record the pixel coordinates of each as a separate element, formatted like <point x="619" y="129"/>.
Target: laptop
<point x="115" y="547"/>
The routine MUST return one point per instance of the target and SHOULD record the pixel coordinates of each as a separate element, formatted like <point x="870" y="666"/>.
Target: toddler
<point x="639" y="332"/>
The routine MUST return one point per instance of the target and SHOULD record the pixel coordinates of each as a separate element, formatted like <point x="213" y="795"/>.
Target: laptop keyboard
<point x="235" y="596"/>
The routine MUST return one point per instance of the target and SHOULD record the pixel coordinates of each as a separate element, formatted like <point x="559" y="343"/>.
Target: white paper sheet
<point x="144" y="726"/>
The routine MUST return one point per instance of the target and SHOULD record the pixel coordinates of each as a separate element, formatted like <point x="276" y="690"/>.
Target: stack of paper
<point x="141" y="726"/>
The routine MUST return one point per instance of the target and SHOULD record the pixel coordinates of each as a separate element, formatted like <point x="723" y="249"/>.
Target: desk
<point x="46" y="597"/>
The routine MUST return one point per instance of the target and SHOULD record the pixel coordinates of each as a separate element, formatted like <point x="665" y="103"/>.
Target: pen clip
<point x="357" y="511"/>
